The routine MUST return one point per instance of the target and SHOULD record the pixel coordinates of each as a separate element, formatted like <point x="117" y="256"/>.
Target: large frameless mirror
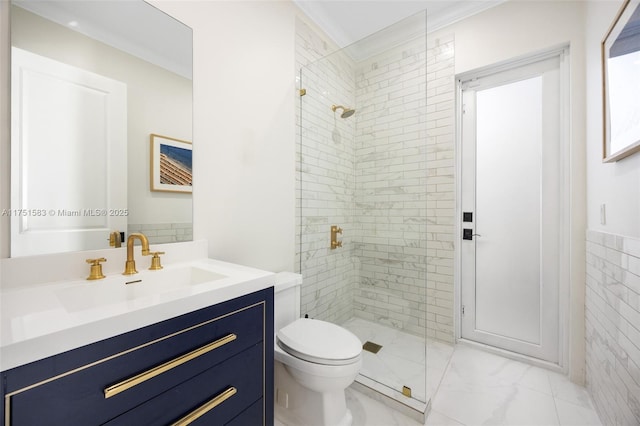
<point x="91" y="82"/>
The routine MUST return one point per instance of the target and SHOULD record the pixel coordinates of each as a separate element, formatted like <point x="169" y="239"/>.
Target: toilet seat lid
<point x="320" y="342"/>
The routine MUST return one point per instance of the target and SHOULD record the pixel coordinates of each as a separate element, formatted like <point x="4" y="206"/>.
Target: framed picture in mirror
<point x="621" y="84"/>
<point x="171" y="160"/>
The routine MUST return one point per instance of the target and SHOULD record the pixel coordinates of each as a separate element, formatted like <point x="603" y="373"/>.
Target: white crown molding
<point x="330" y="17"/>
<point x="460" y="11"/>
<point x="318" y="14"/>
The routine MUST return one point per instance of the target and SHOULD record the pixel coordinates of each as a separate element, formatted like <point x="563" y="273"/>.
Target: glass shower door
<point x="363" y="169"/>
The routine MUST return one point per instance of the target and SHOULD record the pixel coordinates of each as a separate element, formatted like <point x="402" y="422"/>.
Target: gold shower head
<point x="346" y="112"/>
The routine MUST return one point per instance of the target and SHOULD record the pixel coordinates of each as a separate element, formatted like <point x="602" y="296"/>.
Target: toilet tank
<point x="286" y="299"/>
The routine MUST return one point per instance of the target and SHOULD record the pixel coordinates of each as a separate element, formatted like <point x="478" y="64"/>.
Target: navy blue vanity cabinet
<point x="213" y="366"/>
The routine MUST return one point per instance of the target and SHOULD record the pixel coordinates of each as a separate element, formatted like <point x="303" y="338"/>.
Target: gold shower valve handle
<point x="335" y="230"/>
<point x="155" y="260"/>
<point x="96" y="269"/>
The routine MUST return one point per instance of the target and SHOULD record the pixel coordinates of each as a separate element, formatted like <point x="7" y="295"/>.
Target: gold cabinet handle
<point x="156" y="371"/>
<point x="205" y="408"/>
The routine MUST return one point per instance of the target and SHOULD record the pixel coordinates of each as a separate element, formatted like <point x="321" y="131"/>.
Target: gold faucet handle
<point x="115" y="240"/>
<point x="96" y="268"/>
<point x="155" y="260"/>
<point x="336" y="229"/>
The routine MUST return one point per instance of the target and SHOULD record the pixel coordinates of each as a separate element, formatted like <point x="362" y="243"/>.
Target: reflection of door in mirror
<point x="68" y="137"/>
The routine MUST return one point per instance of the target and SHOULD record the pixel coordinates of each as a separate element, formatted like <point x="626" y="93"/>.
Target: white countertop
<point x="37" y="321"/>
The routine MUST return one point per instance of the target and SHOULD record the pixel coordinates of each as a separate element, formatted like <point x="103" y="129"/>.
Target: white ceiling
<point x="348" y="21"/>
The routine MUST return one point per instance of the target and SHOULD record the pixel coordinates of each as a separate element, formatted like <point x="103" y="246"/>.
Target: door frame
<point x="563" y="52"/>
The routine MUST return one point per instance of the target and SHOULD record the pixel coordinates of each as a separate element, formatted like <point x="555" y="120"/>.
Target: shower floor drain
<point x="371" y="347"/>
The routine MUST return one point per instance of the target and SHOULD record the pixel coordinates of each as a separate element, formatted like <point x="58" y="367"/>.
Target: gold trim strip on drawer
<point x="156" y="371"/>
<point x="204" y="409"/>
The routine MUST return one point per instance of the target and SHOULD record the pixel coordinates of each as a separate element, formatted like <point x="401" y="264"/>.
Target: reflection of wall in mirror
<point x="159" y="101"/>
<point x="624" y="98"/>
<point x="623" y="69"/>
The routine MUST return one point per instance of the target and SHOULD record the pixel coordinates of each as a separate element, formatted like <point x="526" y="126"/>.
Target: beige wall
<point x="244" y="88"/>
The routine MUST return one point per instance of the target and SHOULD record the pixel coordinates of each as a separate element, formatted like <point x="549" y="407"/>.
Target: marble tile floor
<point x="480" y="388"/>
<point x="401" y="361"/>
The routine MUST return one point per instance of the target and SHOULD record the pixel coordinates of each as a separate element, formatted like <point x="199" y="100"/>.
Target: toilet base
<point x="296" y="405"/>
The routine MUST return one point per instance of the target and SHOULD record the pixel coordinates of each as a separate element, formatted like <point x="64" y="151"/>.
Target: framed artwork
<point x="621" y="84"/>
<point x="171" y="164"/>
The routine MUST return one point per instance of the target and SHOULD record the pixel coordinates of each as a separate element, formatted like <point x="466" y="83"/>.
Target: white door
<point x="68" y="156"/>
<point x="511" y="194"/>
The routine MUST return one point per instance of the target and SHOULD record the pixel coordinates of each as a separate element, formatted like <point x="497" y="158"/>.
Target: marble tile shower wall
<point x="612" y="305"/>
<point x="405" y="188"/>
<point x="441" y="185"/>
<point x="391" y="173"/>
<point x="325" y="178"/>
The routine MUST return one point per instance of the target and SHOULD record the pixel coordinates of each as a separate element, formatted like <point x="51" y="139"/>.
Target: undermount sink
<point x="129" y="288"/>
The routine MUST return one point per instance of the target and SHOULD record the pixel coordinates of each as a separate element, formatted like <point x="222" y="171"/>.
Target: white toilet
<point x="315" y="361"/>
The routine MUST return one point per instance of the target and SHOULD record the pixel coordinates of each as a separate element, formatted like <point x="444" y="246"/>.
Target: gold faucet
<point x="130" y="265"/>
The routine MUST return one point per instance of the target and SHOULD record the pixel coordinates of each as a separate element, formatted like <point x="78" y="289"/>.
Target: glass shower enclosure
<point x="363" y="219"/>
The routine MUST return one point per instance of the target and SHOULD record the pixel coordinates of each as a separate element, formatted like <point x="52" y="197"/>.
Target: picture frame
<point x="621" y="84"/>
<point x="171" y="164"/>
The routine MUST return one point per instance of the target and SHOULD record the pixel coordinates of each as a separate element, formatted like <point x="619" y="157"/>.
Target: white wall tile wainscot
<point x="612" y="326"/>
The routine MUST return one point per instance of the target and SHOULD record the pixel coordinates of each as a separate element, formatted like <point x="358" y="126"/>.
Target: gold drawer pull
<point x="204" y="409"/>
<point x="143" y="377"/>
